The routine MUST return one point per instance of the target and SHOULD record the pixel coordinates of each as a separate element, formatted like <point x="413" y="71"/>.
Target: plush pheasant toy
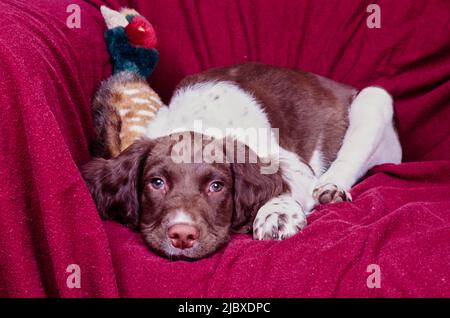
<point x="125" y="103"/>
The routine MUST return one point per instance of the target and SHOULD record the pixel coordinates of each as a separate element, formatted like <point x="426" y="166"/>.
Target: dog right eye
<point x="157" y="183"/>
<point x="216" y="186"/>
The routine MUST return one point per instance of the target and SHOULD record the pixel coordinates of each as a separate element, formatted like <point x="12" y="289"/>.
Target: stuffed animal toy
<point x="125" y="103"/>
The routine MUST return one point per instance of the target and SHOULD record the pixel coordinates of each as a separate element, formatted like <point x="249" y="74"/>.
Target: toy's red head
<point x="141" y="33"/>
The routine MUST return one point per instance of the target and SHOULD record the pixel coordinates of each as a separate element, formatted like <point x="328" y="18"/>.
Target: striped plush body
<point x="123" y="106"/>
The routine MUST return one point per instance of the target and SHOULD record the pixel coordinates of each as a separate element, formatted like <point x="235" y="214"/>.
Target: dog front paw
<point x="330" y="193"/>
<point x="278" y="219"/>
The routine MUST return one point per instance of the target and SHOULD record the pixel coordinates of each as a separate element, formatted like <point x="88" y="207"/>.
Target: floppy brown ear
<point x="114" y="183"/>
<point x="252" y="189"/>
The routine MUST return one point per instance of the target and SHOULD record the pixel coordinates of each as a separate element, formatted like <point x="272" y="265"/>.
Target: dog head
<point x="184" y="209"/>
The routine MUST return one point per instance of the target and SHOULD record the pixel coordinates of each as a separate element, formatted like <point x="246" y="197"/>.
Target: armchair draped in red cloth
<point x="399" y="221"/>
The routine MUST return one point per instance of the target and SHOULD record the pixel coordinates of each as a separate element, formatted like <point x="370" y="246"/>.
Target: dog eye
<point x="157" y="183"/>
<point x="215" y="186"/>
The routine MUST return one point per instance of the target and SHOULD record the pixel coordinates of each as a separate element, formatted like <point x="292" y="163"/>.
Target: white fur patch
<point x="299" y="177"/>
<point x="180" y="217"/>
<point x="316" y="162"/>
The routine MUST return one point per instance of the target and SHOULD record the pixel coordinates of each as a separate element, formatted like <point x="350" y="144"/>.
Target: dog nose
<point x="183" y="235"/>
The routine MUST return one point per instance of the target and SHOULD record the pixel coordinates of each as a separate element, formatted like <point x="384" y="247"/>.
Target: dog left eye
<point x="157" y="183"/>
<point x="215" y="186"/>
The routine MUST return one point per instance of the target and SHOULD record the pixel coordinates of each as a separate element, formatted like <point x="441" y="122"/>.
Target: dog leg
<point x="285" y="215"/>
<point x="370" y="140"/>
<point x="278" y="219"/>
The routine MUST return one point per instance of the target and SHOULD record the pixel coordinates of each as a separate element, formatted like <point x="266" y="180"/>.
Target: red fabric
<point x="400" y="217"/>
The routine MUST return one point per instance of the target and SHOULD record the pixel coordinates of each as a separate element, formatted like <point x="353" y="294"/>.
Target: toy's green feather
<point x="126" y="57"/>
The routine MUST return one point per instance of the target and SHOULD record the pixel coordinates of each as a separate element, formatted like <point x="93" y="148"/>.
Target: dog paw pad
<point x="330" y="193"/>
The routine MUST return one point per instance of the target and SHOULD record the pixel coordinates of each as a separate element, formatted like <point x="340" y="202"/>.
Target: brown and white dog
<point x="328" y="136"/>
